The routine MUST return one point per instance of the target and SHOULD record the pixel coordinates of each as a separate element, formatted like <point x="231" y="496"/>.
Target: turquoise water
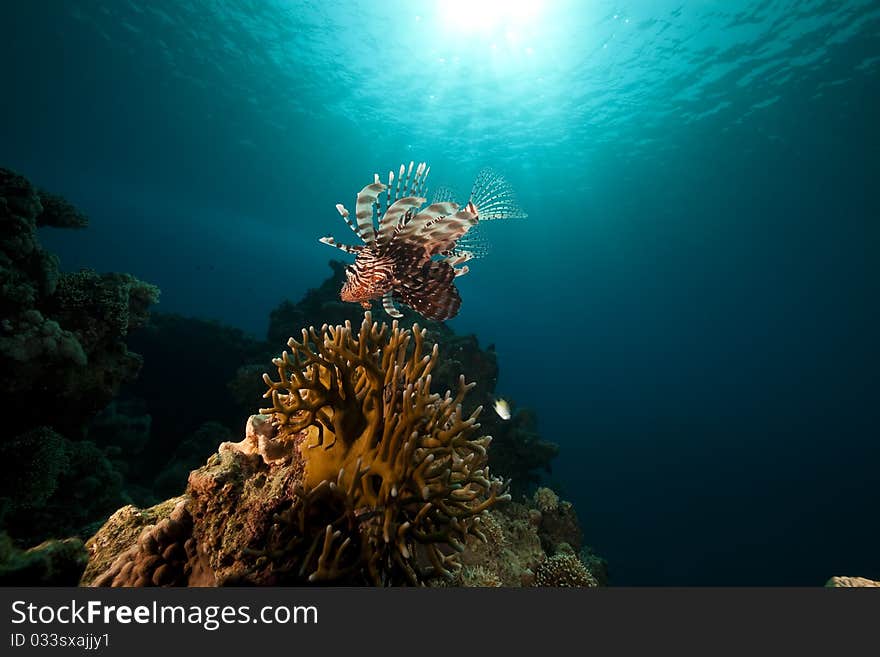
<point x="691" y="305"/>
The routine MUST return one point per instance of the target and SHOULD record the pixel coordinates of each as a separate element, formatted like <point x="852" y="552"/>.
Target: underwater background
<point x="691" y="306"/>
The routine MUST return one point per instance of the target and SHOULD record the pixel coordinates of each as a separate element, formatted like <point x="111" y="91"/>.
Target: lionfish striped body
<point x="412" y="253"/>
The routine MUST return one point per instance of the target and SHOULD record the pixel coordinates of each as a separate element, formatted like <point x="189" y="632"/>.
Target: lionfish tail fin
<point x="493" y="197"/>
<point x="432" y="292"/>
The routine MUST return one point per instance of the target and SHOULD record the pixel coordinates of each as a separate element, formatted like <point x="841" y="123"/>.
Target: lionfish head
<point x="369" y="277"/>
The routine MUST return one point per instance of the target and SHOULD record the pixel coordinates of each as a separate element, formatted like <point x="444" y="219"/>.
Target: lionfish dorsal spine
<point x="399" y="181"/>
<point x="395" y="215"/>
<point x="432" y="213"/>
<point x="422" y="183"/>
<point x="407" y="185"/>
<point x="385" y="199"/>
<point x="363" y="212"/>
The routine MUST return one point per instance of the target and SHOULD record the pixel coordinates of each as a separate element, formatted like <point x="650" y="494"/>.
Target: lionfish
<point x="411" y="254"/>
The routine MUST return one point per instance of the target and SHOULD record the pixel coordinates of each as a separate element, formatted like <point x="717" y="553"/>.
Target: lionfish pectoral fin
<point x="388" y="305"/>
<point x="431" y="292"/>
<point x="343" y="212"/>
<point x="441" y="235"/>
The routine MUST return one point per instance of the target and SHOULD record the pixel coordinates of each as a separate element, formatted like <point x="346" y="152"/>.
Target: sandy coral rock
<point x="564" y="570"/>
<point x="214" y="535"/>
<point x="164" y="554"/>
<point x="236" y="501"/>
<point x="851" y="582"/>
<point x="119" y="533"/>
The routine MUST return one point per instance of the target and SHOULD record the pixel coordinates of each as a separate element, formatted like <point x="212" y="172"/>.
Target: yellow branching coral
<point x="403" y="468"/>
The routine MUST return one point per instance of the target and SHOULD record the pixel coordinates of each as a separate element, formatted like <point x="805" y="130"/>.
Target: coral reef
<point x="218" y="540"/>
<point x="122" y="432"/>
<point x="63" y="358"/>
<point x="356" y="474"/>
<point x="374" y="478"/>
<point x="63" y="332"/>
<point x="525" y="547"/>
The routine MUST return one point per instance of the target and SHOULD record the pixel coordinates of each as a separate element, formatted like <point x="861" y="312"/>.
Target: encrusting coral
<point x="357" y="474"/>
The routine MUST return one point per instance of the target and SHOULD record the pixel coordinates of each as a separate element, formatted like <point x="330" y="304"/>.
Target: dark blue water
<point x="691" y="306"/>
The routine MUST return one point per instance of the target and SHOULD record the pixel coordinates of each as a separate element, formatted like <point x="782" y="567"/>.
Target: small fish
<point x="502" y="408"/>
<point x="412" y="253"/>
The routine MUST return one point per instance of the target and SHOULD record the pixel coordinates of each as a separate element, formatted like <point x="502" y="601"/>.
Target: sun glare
<point x="489" y="18"/>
